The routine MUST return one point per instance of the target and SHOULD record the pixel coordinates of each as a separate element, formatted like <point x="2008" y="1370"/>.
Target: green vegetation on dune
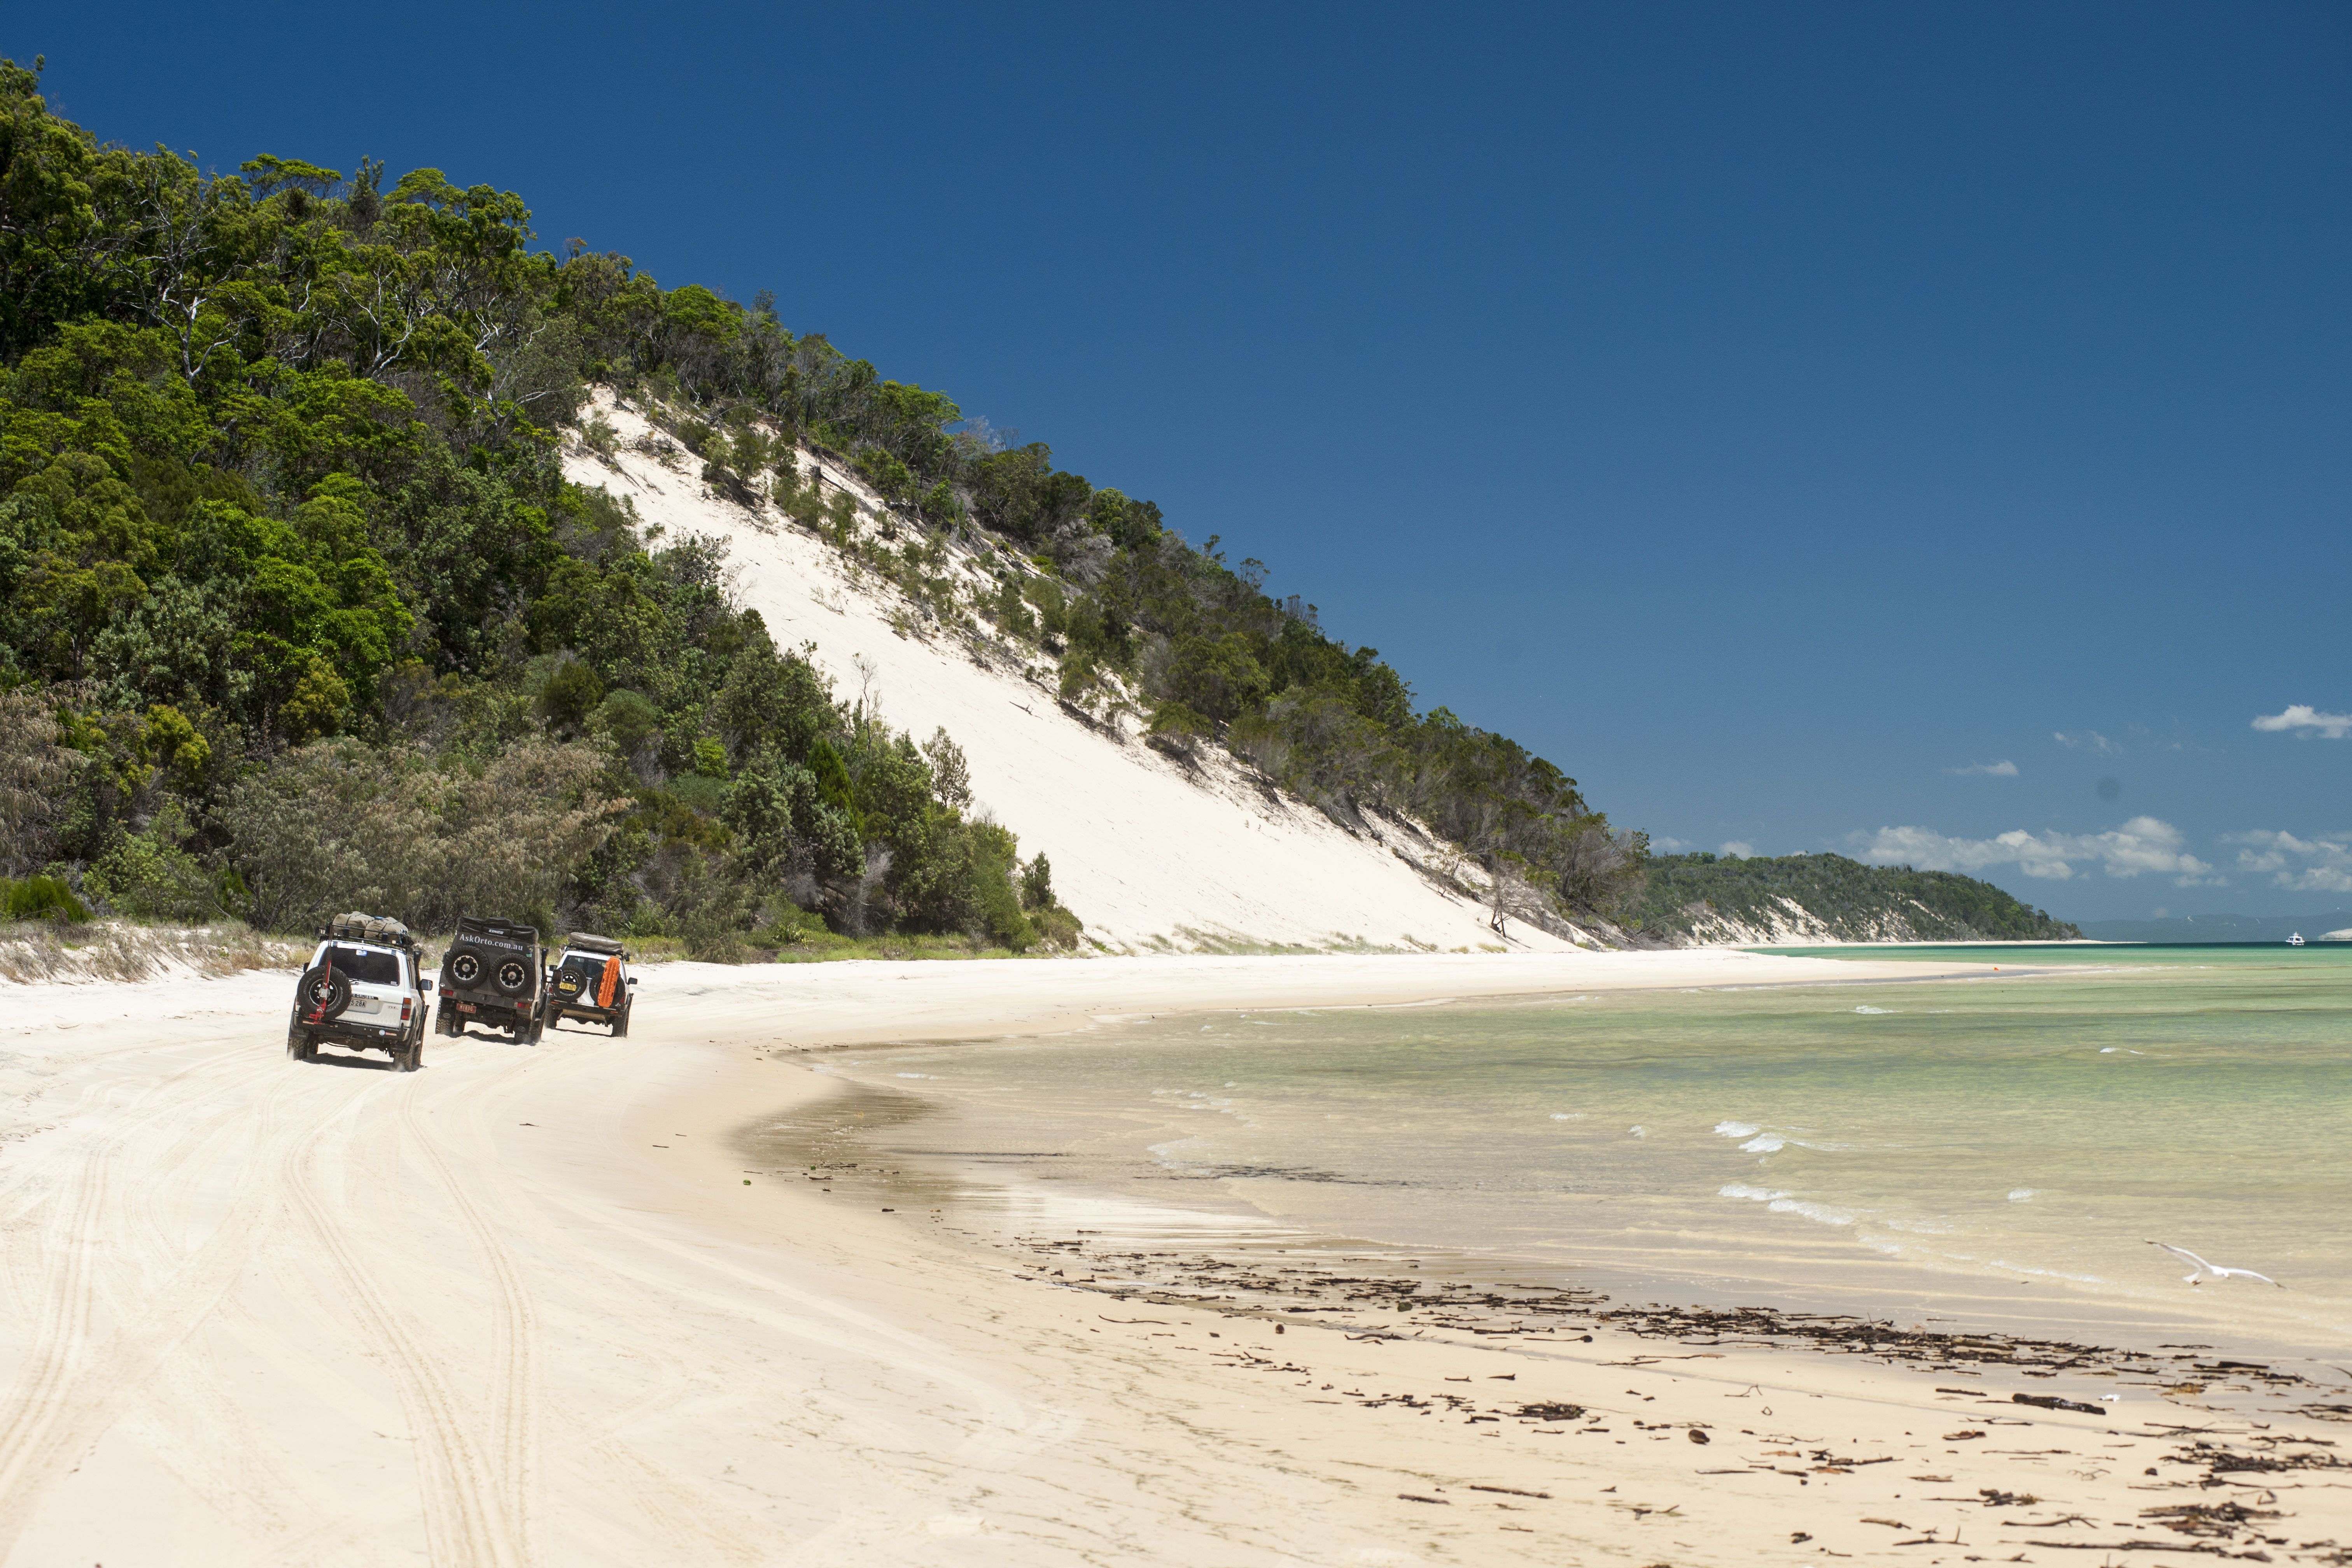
<point x="1700" y="896"/>
<point x="297" y="610"/>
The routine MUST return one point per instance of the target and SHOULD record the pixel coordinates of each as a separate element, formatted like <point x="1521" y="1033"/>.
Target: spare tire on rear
<point x="512" y="975"/>
<point x="467" y="966"/>
<point x="323" y="992"/>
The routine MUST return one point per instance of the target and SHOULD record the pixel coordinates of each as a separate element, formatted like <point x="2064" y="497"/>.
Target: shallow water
<point x="2000" y="1146"/>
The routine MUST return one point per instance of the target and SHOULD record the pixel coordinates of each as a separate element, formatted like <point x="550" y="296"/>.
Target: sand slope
<point x="1150" y="854"/>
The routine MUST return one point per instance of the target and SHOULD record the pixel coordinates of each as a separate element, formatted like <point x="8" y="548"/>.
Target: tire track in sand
<point x="74" y="1386"/>
<point x="695" y="1522"/>
<point x="465" y="1517"/>
<point x="514" y="1387"/>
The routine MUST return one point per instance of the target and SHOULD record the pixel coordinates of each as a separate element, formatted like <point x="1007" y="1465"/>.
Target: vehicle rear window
<point x="591" y="969"/>
<point x="366" y="968"/>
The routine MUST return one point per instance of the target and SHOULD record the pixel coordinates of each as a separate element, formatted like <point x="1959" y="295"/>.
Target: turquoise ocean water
<point x="1997" y="1149"/>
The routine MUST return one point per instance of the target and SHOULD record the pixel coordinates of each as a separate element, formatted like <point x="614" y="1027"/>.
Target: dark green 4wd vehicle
<point x="491" y="976"/>
<point x="590" y="980"/>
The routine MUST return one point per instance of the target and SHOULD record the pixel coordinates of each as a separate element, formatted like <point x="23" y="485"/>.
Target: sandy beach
<point x="540" y="1306"/>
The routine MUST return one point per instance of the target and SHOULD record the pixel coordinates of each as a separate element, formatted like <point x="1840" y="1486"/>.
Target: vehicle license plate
<point x="465" y="1007"/>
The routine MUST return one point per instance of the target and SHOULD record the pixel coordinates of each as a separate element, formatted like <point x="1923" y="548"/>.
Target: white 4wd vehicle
<point x="590" y="980"/>
<point x="361" y="990"/>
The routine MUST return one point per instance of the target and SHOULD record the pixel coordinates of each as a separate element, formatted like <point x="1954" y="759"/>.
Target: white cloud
<point x="2000" y="770"/>
<point x="2300" y="715"/>
<point x="2321" y="865"/>
<point x="2141" y="844"/>
<point x="1739" y="846"/>
<point x="1672" y="846"/>
<point x="2087" y="740"/>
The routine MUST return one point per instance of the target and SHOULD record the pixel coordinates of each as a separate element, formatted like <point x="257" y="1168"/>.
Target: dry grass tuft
<point x="34" y="953"/>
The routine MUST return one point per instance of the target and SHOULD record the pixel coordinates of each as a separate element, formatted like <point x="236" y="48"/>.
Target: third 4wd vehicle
<point x="361" y="990"/>
<point x="491" y="976"/>
<point x="590" y="980"/>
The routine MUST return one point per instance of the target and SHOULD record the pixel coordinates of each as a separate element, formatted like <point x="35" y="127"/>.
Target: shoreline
<point x="1199" y="1209"/>
<point x="1317" y="1324"/>
<point x="2026" y="1382"/>
<point x="535" y="1306"/>
<point x="1003" y="1201"/>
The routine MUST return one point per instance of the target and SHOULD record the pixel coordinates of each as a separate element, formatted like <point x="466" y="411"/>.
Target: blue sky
<point x="1919" y="431"/>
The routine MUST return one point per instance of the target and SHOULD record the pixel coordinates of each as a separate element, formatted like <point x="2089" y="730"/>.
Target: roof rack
<point x="494" y="925"/>
<point x="589" y="942"/>
<point x="381" y="931"/>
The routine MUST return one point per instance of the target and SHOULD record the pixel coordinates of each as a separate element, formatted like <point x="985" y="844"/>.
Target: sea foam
<point x="1785" y="1203"/>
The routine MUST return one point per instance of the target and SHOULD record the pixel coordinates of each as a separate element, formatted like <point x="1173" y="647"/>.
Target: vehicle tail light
<point x="405" y="1004"/>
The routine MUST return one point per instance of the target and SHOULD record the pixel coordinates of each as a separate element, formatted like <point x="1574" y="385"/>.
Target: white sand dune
<point x="1151" y="855"/>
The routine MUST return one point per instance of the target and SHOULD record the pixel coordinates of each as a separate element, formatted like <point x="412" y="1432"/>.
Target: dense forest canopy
<point x="298" y="610"/>
<point x="1855" y="902"/>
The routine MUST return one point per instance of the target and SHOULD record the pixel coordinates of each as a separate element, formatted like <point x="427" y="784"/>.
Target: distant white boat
<point x="2295" y="940"/>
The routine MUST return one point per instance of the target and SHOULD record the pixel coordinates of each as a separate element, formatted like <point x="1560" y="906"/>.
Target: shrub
<point x="698" y="792"/>
<point x="320" y="705"/>
<point x="787" y="924"/>
<point x="1058" y="926"/>
<point x="627" y="720"/>
<point x="943" y="506"/>
<point x="951" y="772"/>
<point x="149" y="875"/>
<point x="841" y="519"/>
<point x="1010" y="611"/>
<point x="891" y="479"/>
<point x="337" y="826"/>
<point x="1178" y="727"/>
<point x="997" y="900"/>
<point x="43" y="898"/>
<point x="570" y="696"/>
<point x="1037" y="884"/>
<point x="1001" y="915"/>
<point x="1053" y="611"/>
<point x="34" y="770"/>
<point x="1080" y="680"/>
<point x="710" y="909"/>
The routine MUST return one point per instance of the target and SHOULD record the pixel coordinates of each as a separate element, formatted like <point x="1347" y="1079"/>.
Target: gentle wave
<point x="1786" y="1202"/>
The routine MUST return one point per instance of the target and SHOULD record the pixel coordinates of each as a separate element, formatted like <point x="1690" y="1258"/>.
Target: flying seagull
<point x="2215" y="1270"/>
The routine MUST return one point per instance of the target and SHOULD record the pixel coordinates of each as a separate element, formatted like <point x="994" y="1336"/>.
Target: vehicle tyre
<point x="444" y="1020"/>
<point x="409" y="1059"/>
<point x="467" y="965"/>
<point x="513" y="976"/>
<point x="322" y="991"/>
<point x="621" y="1024"/>
<point x="300" y="1047"/>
